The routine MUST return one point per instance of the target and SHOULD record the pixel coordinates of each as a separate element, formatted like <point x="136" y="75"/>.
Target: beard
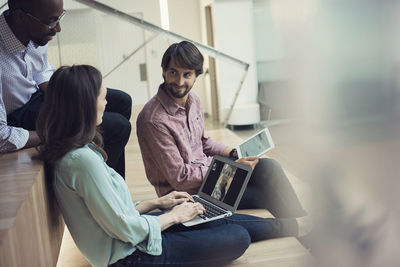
<point x="177" y="94"/>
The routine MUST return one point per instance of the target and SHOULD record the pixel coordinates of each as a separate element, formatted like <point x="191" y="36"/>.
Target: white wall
<point x="234" y="36"/>
<point x="150" y="10"/>
<point x="2" y="2"/>
<point x="269" y="48"/>
<point x="91" y="37"/>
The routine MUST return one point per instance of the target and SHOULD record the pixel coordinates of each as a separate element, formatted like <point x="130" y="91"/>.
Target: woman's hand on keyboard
<point x="187" y="211"/>
<point x="172" y="199"/>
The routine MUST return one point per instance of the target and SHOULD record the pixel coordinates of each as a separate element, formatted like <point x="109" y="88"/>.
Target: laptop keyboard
<point x="211" y="210"/>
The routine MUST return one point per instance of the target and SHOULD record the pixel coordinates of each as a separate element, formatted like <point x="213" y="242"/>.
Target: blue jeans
<point x="211" y="244"/>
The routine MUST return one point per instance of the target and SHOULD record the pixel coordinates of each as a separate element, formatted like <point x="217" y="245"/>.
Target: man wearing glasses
<point x="25" y="30"/>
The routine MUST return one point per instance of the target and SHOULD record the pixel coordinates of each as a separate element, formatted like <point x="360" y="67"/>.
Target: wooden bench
<point x="31" y="228"/>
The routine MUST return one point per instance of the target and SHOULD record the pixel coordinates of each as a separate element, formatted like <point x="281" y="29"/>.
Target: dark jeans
<point x="269" y="188"/>
<point x="211" y="244"/>
<point x="116" y="127"/>
<point x="25" y="117"/>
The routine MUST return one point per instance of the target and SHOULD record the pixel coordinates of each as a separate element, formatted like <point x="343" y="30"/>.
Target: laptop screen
<point x="225" y="181"/>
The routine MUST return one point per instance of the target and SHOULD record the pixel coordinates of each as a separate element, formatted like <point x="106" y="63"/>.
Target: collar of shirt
<point x="10" y="41"/>
<point x="169" y="105"/>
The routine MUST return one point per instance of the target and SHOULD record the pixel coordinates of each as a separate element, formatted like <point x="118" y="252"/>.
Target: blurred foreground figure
<point x="344" y="73"/>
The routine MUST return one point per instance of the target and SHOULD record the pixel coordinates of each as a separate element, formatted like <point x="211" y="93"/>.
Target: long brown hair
<point x="68" y="116"/>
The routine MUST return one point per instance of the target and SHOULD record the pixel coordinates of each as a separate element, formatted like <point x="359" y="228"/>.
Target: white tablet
<point x="256" y="145"/>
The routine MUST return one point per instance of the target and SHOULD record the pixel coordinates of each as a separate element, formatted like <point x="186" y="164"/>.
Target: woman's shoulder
<point x="79" y="168"/>
<point x="79" y="156"/>
<point x="78" y="163"/>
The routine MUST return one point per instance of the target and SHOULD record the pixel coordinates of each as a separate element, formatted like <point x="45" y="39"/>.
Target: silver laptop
<point x="222" y="189"/>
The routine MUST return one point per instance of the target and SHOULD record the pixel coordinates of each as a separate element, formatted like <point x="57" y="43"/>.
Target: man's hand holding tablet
<point x="256" y="145"/>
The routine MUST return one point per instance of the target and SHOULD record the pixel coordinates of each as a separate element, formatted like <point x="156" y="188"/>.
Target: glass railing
<point x="127" y="49"/>
<point x="3" y="6"/>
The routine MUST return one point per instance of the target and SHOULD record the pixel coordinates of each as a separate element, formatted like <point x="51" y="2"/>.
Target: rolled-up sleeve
<point x="11" y="138"/>
<point x="152" y="244"/>
<point x="211" y="147"/>
<point x="109" y="207"/>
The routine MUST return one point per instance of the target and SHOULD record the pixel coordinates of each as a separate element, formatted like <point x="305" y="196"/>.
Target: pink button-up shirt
<point x="175" y="152"/>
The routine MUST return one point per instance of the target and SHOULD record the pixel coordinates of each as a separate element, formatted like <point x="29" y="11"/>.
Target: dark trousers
<point x="116" y="127"/>
<point x="269" y="188"/>
<point x="211" y="244"/>
<point x="25" y="117"/>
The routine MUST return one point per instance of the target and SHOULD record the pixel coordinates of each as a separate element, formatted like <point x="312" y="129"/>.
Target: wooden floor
<point x="283" y="252"/>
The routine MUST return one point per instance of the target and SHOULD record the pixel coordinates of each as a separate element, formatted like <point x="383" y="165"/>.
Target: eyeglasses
<point x="51" y="25"/>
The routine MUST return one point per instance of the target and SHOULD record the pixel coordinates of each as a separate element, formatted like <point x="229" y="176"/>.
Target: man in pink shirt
<point x="177" y="154"/>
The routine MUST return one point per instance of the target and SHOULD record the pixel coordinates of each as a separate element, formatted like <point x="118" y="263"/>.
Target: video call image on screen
<point x="254" y="146"/>
<point x="224" y="182"/>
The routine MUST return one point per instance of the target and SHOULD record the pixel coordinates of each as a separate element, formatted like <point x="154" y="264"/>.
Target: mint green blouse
<point x="99" y="212"/>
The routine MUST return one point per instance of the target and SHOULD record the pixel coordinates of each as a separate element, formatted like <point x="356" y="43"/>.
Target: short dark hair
<point x="185" y="55"/>
<point x="25" y="5"/>
<point x="68" y="117"/>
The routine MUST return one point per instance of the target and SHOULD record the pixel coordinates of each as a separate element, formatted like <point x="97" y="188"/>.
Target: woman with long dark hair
<point x="95" y="201"/>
